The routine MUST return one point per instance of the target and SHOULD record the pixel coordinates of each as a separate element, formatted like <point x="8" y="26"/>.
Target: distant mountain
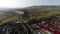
<point x="39" y="7"/>
<point x="28" y="8"/>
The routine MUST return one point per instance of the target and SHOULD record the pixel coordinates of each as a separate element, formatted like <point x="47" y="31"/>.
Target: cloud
<point x="25" y="3"/>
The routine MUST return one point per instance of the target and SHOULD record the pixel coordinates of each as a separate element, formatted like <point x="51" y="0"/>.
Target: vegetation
<point x="39" y="13"/>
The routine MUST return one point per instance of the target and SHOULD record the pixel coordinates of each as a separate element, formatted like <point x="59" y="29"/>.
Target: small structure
<point x="20" y="12"/>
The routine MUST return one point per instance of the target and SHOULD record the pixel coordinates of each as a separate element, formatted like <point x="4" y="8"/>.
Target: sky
<point x="26" y="3"/>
